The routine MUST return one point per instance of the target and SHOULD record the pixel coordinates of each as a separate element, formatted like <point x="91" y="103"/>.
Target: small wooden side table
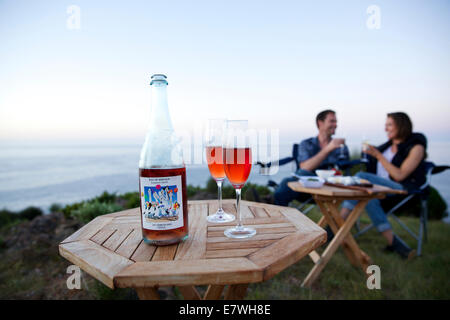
<point x="329" y="198"/>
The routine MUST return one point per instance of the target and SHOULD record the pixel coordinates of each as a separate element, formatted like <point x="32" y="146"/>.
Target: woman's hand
<point x="372" y="151"/>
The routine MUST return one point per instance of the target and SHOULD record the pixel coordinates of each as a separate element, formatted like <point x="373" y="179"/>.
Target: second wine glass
<point x="237" y="155"/>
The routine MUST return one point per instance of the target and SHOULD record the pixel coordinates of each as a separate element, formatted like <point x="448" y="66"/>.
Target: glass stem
<point x="238" y="207"/>
<point x="219" y="191"/>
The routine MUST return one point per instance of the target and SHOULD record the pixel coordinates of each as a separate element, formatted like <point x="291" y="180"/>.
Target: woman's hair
<point x="403" y="123"/>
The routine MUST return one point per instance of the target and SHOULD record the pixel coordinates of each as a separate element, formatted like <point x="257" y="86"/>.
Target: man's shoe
<point x="401" y="248"/>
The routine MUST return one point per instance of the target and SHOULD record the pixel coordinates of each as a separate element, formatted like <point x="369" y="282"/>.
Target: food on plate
<point x="348" y="180"/>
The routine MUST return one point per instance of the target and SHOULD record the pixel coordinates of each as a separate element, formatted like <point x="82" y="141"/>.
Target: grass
<point x="424" y="277"/>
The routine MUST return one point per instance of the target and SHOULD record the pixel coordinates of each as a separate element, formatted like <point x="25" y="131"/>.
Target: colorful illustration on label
<point x="161" y="203"/>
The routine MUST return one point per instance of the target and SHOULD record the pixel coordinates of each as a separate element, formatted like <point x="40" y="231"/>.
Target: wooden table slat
<point x="269" y="236"/>
<point x="116" y="239"/>
<point x="258" y="212"/>
<point x="103" y="235"/>
<point x="226" y="245"/>
<point x="255" y="221"/>
<point x="285" y="224"/>
<point x="273" y="212"/>
<point x="89" y="230"/>
<point x="247" y="213"/>
<point x="165" y="253"/>
<point x="130" y="244"/>
<point x="189" y="272"/>
<point x="143" y="252"/>
<point x="266" y="230"/>
<point x="243" y="252"/>
<point x="195" y="246"/>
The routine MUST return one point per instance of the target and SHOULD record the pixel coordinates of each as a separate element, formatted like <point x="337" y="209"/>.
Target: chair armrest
<point x="281" y="162"/>
<point x="439" y="169"/>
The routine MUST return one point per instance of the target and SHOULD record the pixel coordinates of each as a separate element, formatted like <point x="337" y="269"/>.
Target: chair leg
<point x="422" y="227"/>
<point x="363" y="231"/>
<point x="404" y="226"/>
<point x="308" y="209"/>
<point x="425" y="219"/>
<point x="419" y="241"/>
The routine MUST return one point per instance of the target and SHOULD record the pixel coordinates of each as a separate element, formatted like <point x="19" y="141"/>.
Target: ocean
<point x="41" y="175"/>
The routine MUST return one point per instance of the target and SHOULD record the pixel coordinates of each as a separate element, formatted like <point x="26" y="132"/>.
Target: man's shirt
<point x="308" y="148"/>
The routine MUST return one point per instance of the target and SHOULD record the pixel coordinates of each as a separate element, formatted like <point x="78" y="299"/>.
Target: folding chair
<point x="422" y="193"/>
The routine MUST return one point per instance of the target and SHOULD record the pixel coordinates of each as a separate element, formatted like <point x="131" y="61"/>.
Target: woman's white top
<point x="381" y="171"/>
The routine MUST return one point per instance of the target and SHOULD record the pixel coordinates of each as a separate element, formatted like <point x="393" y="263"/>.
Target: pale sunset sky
<point x="80" y="70"/>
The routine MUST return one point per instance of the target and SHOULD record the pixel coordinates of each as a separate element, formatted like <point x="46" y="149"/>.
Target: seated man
<point x="320" y="152"/>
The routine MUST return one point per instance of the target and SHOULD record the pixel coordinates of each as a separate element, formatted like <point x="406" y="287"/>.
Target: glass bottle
<point x="162" y="175"/>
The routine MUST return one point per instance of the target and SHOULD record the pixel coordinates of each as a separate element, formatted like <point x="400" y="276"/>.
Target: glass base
<point x="240" y="232"/>
<point x="220" y="217"/>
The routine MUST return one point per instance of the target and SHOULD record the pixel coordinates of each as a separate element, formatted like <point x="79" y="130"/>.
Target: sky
<point x="80" y="70"/>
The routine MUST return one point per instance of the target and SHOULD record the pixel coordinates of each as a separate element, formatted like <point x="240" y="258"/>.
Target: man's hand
<point x="314" y="162"/>
<point x="334" y="144"/>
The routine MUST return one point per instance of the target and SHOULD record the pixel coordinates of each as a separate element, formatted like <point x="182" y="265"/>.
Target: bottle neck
<point x="160" y="117"/>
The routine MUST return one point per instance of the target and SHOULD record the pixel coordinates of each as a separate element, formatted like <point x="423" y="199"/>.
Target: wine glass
<point x="341" y="135"/>
<point x="237" y="155"/>
<point x="214" y="158"/>
<point x="364" y="147"/>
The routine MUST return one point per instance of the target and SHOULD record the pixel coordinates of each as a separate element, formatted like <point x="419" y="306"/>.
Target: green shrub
<point x="132" y="199"/>
<point x="10" y="218"/>
<point x="211" y="186"/>
<point x="68" y="209"/>
<point x="89" y="210"/>
<point x="228" y="192"/>
<point x="102" y="204"/>
<point x="30" y="213"/>
<point x="6" y="217"/>
<point x="192" y="190"/>
<point x="436" y="206"/>
<point x="55" y="207"/>
<point x="107" y="197"/>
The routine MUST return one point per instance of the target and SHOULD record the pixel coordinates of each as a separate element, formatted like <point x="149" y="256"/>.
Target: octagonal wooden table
<point x="110" y="248"/>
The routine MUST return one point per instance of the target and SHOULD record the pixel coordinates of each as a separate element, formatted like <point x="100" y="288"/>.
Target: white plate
<point x="310" y="181"/>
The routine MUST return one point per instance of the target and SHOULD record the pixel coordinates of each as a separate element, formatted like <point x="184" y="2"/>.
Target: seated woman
<point x="398" y="164"/>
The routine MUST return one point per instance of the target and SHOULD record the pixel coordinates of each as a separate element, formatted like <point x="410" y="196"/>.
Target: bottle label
<point x="161" y="203"/>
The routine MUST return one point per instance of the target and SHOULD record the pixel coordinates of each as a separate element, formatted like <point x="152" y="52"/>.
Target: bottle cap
<point x="158" y="77"/>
